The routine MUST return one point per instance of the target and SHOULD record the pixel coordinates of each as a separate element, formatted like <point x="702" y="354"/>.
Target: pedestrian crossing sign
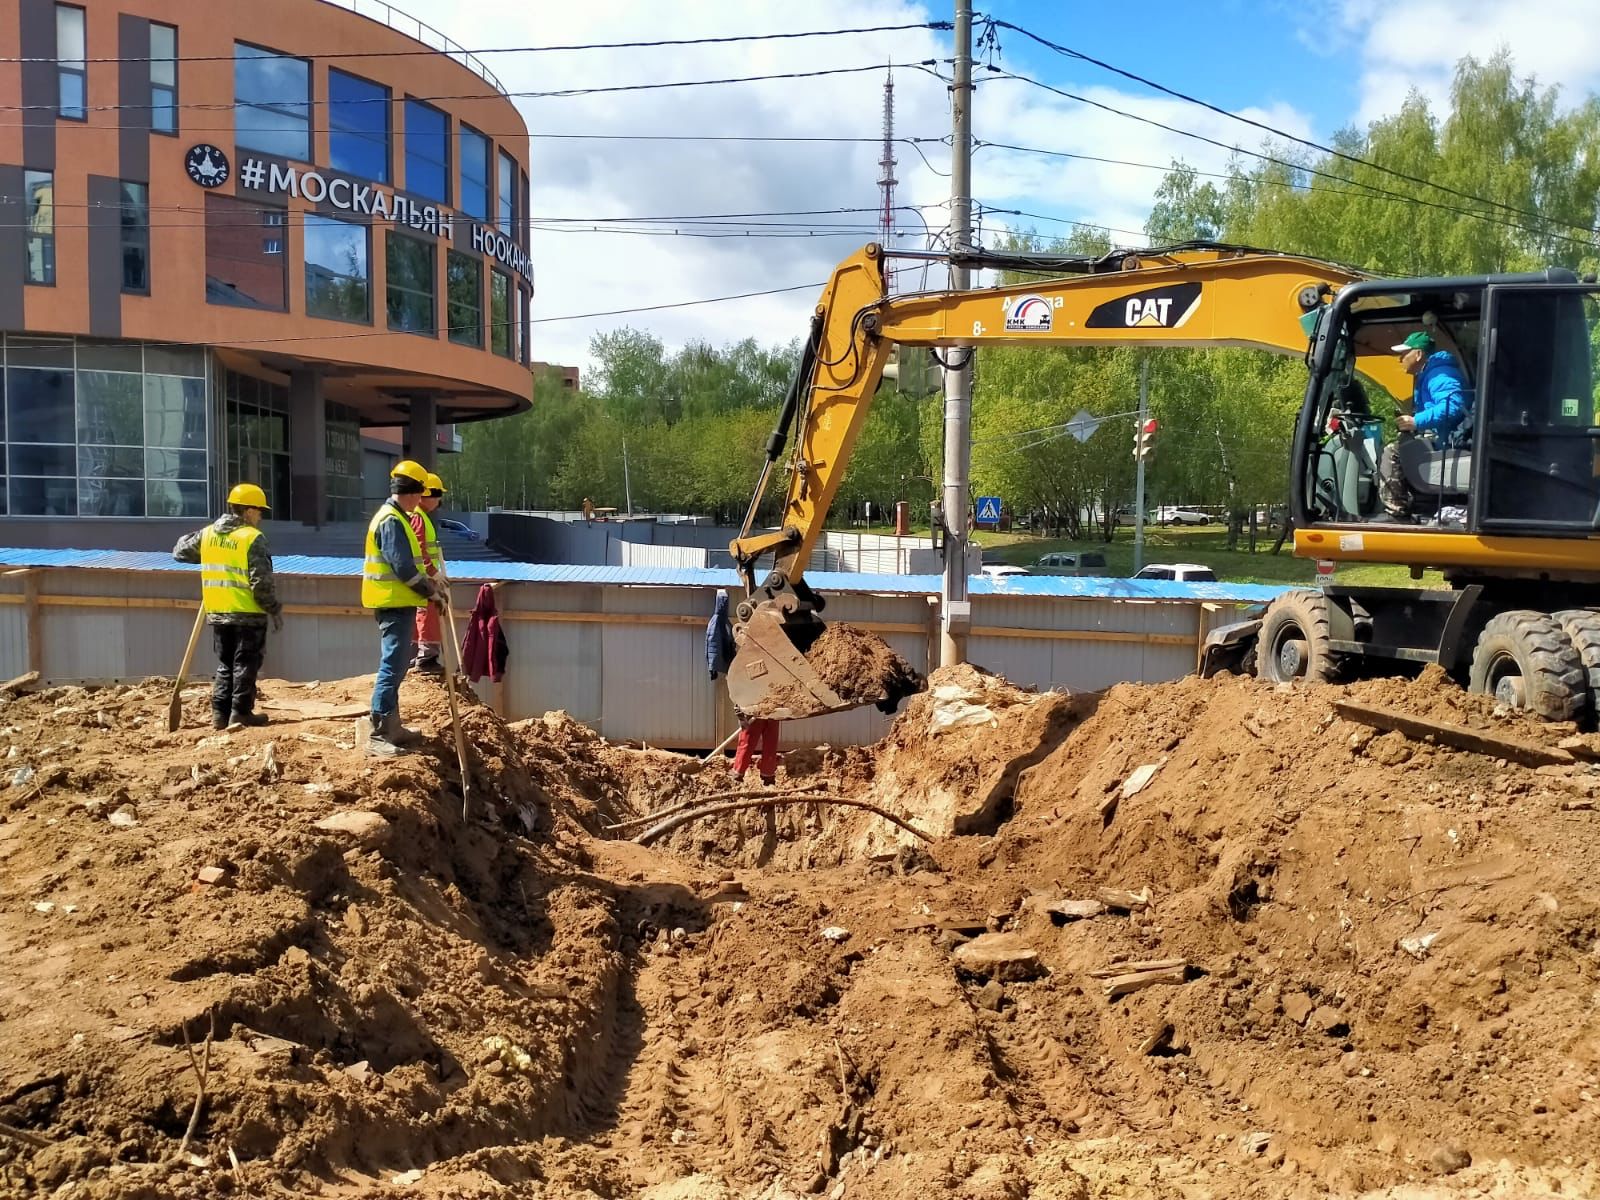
<point x="988" y="510"/>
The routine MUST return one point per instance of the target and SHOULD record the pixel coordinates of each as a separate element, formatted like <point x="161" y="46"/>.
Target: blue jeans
<point x="397" y="628"/>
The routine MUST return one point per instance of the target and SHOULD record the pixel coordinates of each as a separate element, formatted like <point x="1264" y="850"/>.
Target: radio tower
<point x="887" y="180"/>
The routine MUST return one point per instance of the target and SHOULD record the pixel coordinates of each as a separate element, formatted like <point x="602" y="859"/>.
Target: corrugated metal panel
<point x="643" y="576"/>
<point x="642" y="554"/>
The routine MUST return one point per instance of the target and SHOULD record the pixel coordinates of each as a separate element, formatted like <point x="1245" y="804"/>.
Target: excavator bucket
<point x="770" y="677"/>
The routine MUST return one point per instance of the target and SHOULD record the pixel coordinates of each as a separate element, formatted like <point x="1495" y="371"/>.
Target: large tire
<point x="1526" y="660"/>
<point x="1582" y="627"/>
<point x="1293" y="642"/>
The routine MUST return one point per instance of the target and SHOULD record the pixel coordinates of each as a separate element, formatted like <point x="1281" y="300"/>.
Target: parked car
<point x="1071" y="562"/>
<point x="456" y="527"/>
<point x="1172" y="514"/>
<point x="1178" y="572"/>
<point x="1001" y="570"/>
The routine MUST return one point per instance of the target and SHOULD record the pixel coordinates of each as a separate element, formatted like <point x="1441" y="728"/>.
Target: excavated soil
<point x="861" y="666"/>
<point x="1204" y="940"/>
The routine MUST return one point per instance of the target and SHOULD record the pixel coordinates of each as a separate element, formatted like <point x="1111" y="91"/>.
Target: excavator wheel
<point x="1582" y="626"/>
<point x="1293" y="642"/>
<point x="1524" y="659"/>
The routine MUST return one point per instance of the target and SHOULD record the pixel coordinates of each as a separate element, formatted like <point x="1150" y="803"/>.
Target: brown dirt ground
<point x="523" y="1003"/>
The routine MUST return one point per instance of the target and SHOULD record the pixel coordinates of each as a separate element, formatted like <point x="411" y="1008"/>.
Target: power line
<point x="433" y="53"/>
<point x="445" y="329"/>
<point x="308" y="103"/>
<point x="1279" y="133"/>
<point x="1290" y="184"/>
<point x="1476" y="214"/>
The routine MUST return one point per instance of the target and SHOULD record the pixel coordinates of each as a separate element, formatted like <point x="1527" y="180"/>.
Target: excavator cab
<point x="1523" y="457"/>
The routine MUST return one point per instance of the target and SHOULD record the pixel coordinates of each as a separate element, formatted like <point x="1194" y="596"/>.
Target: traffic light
<point x="1144" y="441"/>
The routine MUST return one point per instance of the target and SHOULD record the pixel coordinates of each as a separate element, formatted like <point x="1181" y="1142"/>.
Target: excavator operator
<point x="1442" y="399"/>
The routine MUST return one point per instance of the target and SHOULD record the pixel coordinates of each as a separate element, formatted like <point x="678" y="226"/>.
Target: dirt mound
<point x="861" y="665"/>
<point x="1205" y="939"/>
<point x="953" y="759"/>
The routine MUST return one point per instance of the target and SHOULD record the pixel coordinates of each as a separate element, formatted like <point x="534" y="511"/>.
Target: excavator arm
<point x="1196" y="295"/>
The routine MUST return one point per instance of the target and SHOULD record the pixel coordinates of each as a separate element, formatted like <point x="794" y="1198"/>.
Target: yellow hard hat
<point x="414" y="471"/>
<point x="435" y="484"/>
<point x="248" y="495"/>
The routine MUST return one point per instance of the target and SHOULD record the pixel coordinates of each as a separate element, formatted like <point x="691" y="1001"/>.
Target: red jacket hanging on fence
<point x="484" y="650"/>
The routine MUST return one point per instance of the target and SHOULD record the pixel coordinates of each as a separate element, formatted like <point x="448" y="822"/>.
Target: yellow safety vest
<point x="430" y="543"/>
<point x="225" y="571"/>
<point x="380" y="587"/>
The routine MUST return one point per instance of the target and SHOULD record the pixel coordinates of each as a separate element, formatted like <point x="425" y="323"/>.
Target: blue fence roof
<point x="1088" y="588"/>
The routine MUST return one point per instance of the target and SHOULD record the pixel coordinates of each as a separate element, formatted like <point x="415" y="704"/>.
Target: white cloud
<point x="1417" y="45"/>
<point x="584" y="272"/>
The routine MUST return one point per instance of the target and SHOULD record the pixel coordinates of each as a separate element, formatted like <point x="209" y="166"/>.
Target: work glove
<point x="277" y="622"/>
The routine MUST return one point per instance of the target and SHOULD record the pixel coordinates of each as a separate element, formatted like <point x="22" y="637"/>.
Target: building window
<point x="427" y="151"/>
<point x="500" y="312"/>
<point x="506" y="216"/>
<point x="337" y="273"/>
<point x="87" y="422"/>
<point x="474" y="173"/>
<point x="524" y="329"/>
<point x="258" y="434"/>
<point x="163" y="78"/>
<point x="241" y="270"/>
<point x="358" y="126"/>
<point x="341" y="447"/>
<point x="275" y="218"/>
<point x="72" y="79"/>
<point x="523" y="208"/>
<point x="41" y="449"/>
<point x="464" y="299"/>
<point x="272" y="102"/>
<point x="136" y="238"/>
<point x="39" y="214"/>
<point x="409" y="262"/>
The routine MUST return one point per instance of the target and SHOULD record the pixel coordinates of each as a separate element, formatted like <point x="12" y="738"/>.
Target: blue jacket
<point x="719" y="638"/>
<point x="1442" y="397"/>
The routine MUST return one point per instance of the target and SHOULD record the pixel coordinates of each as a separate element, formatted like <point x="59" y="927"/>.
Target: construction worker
<point x="394" y="585"/>
<point x="429" y="647"/>
<point x="758" y="739"/>
<point x="239" y="599"/>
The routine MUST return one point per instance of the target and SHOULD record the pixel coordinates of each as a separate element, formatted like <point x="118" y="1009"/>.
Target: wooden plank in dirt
<point x="1136" y="981"/>
<point x="1457" y="736"/>
<point x="313" y="710"/>
<point x="25" y="680"/>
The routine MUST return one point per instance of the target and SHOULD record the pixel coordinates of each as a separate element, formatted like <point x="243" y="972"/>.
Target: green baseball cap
<point x="1416" y="341"/>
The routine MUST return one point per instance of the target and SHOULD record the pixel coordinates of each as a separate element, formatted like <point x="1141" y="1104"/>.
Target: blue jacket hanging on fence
<point x="719" y="638"/>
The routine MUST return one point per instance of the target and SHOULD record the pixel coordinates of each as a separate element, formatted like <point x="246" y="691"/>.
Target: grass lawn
<point x="1190" y="544"/>
<point x="1200" y="544"/>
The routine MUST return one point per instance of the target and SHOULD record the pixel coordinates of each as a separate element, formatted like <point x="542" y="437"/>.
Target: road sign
<point x="988" y="511"/>
<point x="1083" y="425"/>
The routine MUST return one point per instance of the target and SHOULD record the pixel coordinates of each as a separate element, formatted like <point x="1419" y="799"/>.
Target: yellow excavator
<point x="1508" y="510"/>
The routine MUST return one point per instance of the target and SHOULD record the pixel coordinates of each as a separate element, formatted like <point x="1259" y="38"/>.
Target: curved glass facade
<point x="98" y="428"/>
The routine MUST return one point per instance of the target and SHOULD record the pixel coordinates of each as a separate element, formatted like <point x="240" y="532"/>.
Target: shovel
<point x="450" y="668"/>
<point x="175" y="709"/>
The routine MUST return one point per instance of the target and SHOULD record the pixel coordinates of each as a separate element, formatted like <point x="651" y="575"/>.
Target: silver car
<point x="1071" y="562"/>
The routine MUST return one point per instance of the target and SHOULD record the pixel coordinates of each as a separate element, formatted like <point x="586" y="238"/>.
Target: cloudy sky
<point x="1306" y="69"/>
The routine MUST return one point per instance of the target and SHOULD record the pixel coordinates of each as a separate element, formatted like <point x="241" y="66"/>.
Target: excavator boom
<point x="1196" y="295"/>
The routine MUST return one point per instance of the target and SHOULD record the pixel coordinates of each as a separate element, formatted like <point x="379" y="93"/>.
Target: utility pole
<point x="627" y="487"/>
<point x="1139" y="457"/>
<point x="955" y="609"/>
